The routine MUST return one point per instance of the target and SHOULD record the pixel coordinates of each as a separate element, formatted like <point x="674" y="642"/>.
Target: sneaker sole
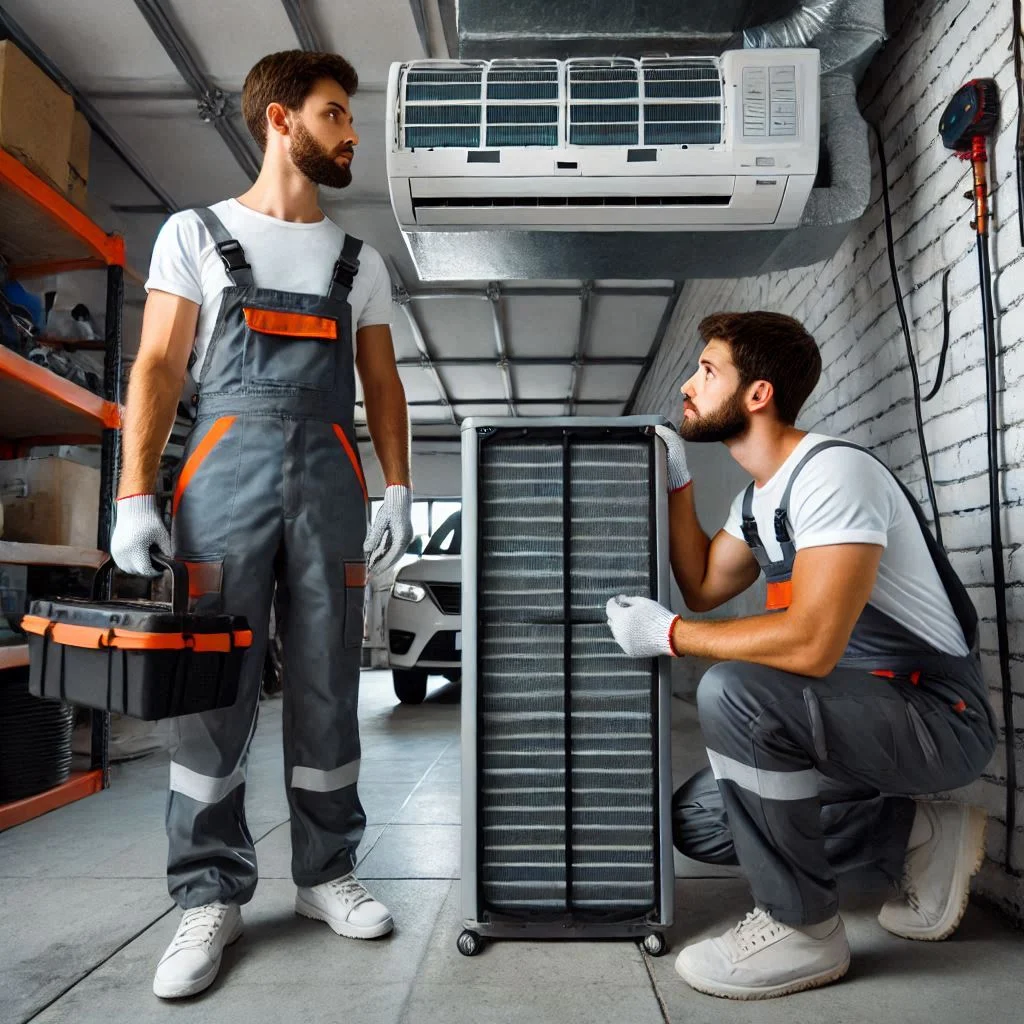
<point x="712" y="988"/>
<point x="969" y="859"/>
<point x="349" y="931"/>
<point x="197" y="985"/>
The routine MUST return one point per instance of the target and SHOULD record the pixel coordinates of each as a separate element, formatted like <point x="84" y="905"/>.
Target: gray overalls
<point x="271" y="489"/>
<point x="802" y="769"/>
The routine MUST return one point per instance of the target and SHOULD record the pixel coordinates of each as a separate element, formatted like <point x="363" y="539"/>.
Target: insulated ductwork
<point x="845" y="33"/>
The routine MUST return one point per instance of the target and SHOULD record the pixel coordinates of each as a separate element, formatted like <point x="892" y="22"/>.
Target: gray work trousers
<point x="810" y="777"/>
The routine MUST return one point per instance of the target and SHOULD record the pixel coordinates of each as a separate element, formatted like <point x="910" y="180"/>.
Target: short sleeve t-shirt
<point x="845" y="496"/>
<point x="283" y="255"/>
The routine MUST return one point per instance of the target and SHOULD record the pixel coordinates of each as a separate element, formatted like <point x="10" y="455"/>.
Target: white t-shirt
<point x="283" y="255"/>
<point x="843" y="496"/>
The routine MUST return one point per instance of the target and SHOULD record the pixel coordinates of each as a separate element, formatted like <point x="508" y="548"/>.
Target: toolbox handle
<point x="179" y="579"/>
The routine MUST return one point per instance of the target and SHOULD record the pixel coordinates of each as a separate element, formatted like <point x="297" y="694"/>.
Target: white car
<point x="424" y="615"/>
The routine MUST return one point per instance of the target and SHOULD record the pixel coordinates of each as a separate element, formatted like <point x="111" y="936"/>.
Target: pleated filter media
<point x="566" y="730"/>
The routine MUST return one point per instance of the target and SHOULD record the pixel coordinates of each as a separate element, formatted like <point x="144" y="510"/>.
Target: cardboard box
<point x="36" y="117"/>
<point x="50" y="501"/>
<point x="78" y="161"/>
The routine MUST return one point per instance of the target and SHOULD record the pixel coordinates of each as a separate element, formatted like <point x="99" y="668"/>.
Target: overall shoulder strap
<point x="229" y="249"/>
<point x="963" y="606"/>
<point x="345" y="269"/>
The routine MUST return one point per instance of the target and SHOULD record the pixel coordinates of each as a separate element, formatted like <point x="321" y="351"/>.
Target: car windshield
<point x="447" y="538"/>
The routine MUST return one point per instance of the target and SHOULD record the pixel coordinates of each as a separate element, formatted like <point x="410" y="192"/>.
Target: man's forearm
<point x="779" y="640"/>
<point x="688" y="546"/>
<point x="153" y="393"/>
<point x="387" y="419"/>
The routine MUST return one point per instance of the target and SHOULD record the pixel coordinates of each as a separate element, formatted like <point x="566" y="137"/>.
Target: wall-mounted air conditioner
<point x="565" y="741"/>
<point x="658" y="144"/>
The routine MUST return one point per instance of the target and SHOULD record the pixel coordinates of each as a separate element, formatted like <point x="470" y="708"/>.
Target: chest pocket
<point x="288" y="349"/>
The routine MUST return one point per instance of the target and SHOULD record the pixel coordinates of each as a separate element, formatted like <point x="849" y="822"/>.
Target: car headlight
<point x="408" y="592"/>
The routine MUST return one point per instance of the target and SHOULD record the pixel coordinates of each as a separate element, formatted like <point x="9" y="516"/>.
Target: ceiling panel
<point x="371" y="36"/>
<point x="612" y="409"/>
<point x="490" y="411"/>
<point x="457" y="327"/>
<point x="620" y="326"/>
<point x="545" y="326"/>
<point x="187" y="157"/>
<point x="227" y="38"/>
<point x="100" y="45"/>
<point x="598" y="382"/>
<point x="544" y="410"/>
<point x="541" y="381"/>
<point x="464" y="382"/>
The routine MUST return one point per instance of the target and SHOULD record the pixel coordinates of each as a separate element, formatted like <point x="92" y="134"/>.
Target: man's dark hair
<point x="288" y="78"/>
<point x="771" y="347"/>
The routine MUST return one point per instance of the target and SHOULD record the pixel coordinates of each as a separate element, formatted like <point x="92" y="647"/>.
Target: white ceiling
<point x="106" y="49"/>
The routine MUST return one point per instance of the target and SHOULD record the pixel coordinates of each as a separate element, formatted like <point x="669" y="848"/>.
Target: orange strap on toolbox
<point x="95" y="638"/>
<point x="290" y="325"/>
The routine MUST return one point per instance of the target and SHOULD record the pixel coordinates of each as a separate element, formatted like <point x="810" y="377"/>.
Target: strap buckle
<point x="781" y="530"/>
<point x="232" y="255"/>
<point x="750" y="534"/>
<point x="345" y="271"/>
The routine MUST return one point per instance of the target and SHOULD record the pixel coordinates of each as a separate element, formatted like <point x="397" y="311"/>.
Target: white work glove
<point x="137" y="528"/>
<point x="641" y="627"/>
<point x="678" y="473"/>
<point x="391" y="530"/>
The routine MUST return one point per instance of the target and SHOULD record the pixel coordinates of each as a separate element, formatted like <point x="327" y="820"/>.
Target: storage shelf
<point x="42" y="232"/>
<point x="35" y="403"/>
<point x="79" y="786"/>
<point x="14" y="552"/>
<point x="14" y="656"/>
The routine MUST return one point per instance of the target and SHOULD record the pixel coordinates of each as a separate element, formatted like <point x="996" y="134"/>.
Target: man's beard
<point x="727" y="422"/>
<point x="313" y="160"/>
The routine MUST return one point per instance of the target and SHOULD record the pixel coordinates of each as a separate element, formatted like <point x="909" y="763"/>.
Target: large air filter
<point x="566" y="779"/>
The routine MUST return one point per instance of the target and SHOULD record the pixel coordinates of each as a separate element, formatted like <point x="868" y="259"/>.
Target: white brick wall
<point x="865" y="391"/>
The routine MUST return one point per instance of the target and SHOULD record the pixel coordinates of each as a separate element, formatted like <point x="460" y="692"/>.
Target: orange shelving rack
<point x="41" y="233"/>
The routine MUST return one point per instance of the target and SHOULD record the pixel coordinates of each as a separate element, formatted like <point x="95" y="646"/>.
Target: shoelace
<point x="198" y="926"/>
<point x="351" y="891"/>
<point x="907" y="891"/>
<point x="755" y="930"/>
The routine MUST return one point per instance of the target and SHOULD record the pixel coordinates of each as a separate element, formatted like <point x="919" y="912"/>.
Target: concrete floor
<point x="84" y="917"/>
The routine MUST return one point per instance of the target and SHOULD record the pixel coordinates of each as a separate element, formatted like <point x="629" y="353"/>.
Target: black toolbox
<point x="141" y="659"/>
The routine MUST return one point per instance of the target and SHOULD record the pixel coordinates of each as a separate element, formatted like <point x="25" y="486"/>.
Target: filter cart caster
<point x="654" y="944"/>
<point x="469" y="943"/>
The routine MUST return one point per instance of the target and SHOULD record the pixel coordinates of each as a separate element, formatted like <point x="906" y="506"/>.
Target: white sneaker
<point x="193" y="958"/>
<point x="937" y="873"/>
<point x="761" y="958"/>
<point x="346" y="906"/>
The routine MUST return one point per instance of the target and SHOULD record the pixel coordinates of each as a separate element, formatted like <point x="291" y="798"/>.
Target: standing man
<point x="862" y="679"/>
<point x="268" y="305"/>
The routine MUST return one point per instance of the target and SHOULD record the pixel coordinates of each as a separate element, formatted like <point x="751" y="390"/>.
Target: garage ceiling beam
<point x="426" y="361"/>
<point x="494" y="295"/>
<point x="308" y="37"/>
<point x="214" y="105"/>
<point x="528" y="361"/>
<point x="540" y="292"/>
<point x="659" y="337"/>
<point x="582" y="336"/>
<point x="10" y="29"/>
<point x="435" y="402"/>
